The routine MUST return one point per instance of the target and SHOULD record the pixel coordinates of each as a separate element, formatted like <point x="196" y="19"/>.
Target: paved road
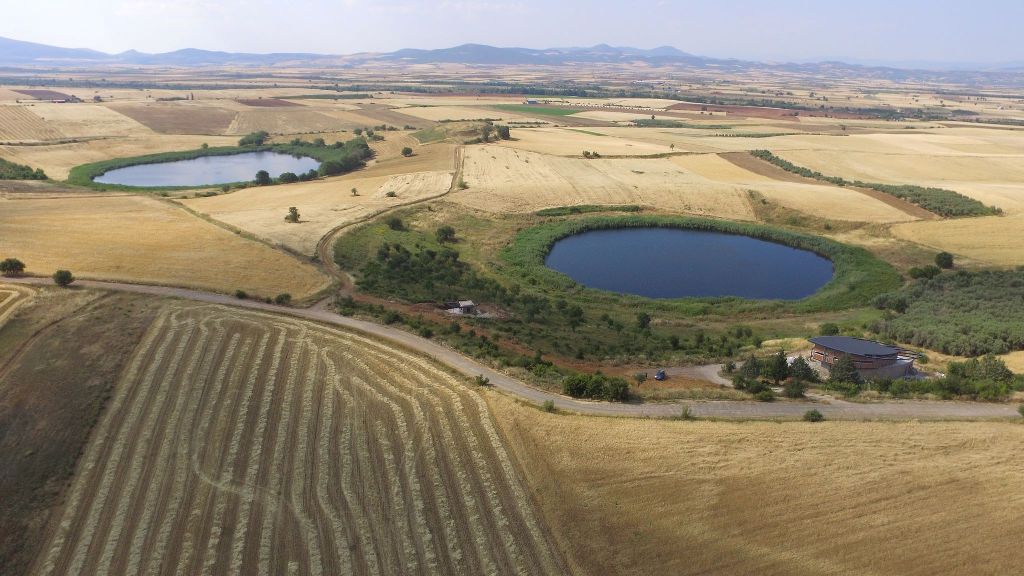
<point x="833" y="409"/>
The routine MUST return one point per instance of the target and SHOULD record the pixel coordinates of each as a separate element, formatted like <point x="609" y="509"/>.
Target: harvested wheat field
<point x="12" y="297"/>
<point x="660" y="497"/>
<point x="19" y="124"/>
<point x="502" y="179"/>
<point x="572" y="142"/>
<point x="240" y="443"/>
<point x="88" y="120"/>
<point x="141" y="239"/>
<point x="323" y="204"/>
<point x="992" y="240"/>
<point x="285" y="120"/>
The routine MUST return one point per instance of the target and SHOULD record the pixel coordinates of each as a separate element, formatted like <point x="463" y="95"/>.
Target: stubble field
<point x="141" y="239"/>
<point x="643" y="497"/>
<point x="246" y="443"/>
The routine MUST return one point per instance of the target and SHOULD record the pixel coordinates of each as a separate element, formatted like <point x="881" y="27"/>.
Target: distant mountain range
<point x="16" y="53"/>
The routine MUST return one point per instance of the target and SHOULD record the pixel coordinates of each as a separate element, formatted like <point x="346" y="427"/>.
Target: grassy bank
<point x="11" y="171"/>
<point x="936" y="200"/>
<point x="498" y="263"/>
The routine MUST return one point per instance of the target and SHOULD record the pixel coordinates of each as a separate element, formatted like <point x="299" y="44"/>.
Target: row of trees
<point x="12" y="171"/>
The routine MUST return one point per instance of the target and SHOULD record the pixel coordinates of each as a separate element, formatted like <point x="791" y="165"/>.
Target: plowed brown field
<point x="242" y="443"/>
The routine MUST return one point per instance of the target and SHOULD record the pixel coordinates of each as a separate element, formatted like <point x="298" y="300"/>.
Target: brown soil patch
<point x="756" y="165"/>
<point x="179" y="118"/>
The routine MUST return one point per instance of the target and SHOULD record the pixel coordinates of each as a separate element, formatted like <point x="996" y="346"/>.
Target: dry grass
<point x="241" y="443"/>
<point x="140" y="239"/>
<point x="323" y="205"/>
<point x="502" y="179"/>
<point x="992" y="241"/>
<point x="646" y="497"/>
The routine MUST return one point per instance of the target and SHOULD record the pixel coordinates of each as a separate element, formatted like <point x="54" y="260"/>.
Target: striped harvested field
<point x="19" y="124"/>
<point x="243" y="443"/>
<point x="11" y="298"/>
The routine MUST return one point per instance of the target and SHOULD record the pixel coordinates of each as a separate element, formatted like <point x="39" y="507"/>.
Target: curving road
<point x="832" y="409"/>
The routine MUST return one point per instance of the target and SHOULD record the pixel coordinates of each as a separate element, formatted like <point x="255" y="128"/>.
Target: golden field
<point x="627" y="496"/>
<point x="140" y="239"/>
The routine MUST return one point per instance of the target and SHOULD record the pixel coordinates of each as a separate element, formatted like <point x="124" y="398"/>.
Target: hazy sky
<point x="882" y="30"/>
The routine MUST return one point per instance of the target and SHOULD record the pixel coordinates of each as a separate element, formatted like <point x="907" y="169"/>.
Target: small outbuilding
<point x="461" y="307"/>
<point x="872" y="359"/>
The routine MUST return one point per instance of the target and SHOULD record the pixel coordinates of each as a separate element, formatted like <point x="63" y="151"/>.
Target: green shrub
<point x="283" y="299"/>
<point x="828" y="329"/>
<point x="11" y="171"/>
<point x="63" y="278"/>
<point x="254" y="139"/>
<point x="794" y="389"/>
<point x="241" y="294"/>
<point x="595" y="386"/>
<point x="481" y="380"/>
<point x="944" y="260"/>
<point x="813" y="416"/>
<point x="765" y="395"/>
<point x="548" y="406"/>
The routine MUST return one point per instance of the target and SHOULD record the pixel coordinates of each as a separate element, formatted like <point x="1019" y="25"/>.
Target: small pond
<point x="208" y="170"/>
<point x="675" y="263"/>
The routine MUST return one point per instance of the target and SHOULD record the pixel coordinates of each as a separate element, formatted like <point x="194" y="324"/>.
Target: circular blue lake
<point x="675" y="263"/>
<point x="208" y="170"/>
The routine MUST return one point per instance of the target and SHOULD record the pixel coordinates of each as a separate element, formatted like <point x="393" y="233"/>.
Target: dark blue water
<point x="208" y="170"/>
<point x="673" y="263"/>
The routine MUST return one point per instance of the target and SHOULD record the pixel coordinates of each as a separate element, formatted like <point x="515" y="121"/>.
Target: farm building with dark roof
<point x="872" y="359"/>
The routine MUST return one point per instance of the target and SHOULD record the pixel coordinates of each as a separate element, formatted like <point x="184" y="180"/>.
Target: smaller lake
<point x="675" y="263"/>
<point x="208" y="170"/>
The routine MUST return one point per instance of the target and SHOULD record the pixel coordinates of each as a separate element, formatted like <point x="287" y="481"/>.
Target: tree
<point x="63" y="278"/>
<point x="643" y="320"/>
<point x="640" y="377"/>
<point x="283" y="299"/>
<point x="777" y="368"/>
<point x="395" y="223"/>
<point x="813" y="416"/>
<point x="355" y="192"/>
<point x="801" y="370"/>
<point x="844" y="371"/>
<point x="406" y="151"/>
<point x="288" y="178"/>
<point x="928" y="271"/>
<point x="293" y="215"/>
<point x="254" y="139"/>
<point x="828" y="329"/>
<point x="12" y="267"/>
<point x="319" y="142"/>
<point x="794" y="389"/>
<point x="263" y="178"/>
<point x="445" y="234"/>
<point x="503" y="132"/>
<point x="358" y="131"/>
<point x="485" y="132"/>
<point x="944" y="260"/>
<point x="751" y="368"/>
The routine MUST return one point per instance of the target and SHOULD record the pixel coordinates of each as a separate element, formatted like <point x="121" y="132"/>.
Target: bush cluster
<point x="596" y="387"/>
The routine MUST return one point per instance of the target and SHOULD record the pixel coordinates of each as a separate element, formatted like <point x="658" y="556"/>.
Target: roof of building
<point x="855" y="346"/>
<point x="466" y="303"/>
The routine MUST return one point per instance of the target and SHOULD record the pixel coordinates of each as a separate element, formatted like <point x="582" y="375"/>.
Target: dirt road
<point x="834" y="409"/>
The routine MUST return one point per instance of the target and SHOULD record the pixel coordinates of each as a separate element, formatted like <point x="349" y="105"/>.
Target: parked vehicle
<point x="660" y="375"/>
